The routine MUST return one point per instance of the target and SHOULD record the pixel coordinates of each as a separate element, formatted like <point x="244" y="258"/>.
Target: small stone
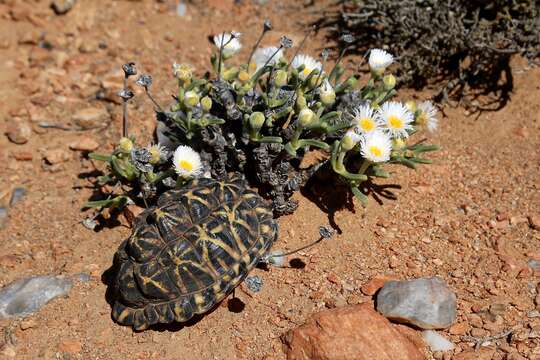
<point x="426" y="302"/>
<point x="91" y="118"/>
<point x="18" y="132"/>
<point x="534" y="265"/>
<point x="28" y="324"/>
<point x="459" y="328"/>
<point x="9" y="351"/>
<point x="437" y="342"/>
<point x="254" y="283"/>
<point x="61" y="7"/>
<point x="3" y="217"/>
<point x="84" y="144"/>
<point x="377" y="282"/>
<point x="17" y="195"/>
<point x="70" y="346"/>
<point x="534" y="221"/>
<point x="480" y="354"/>
<point x="352" y="332"/>
<point x="23" y="155"/>
<point x="56" y="156"/>
<point x="24" y="297"/>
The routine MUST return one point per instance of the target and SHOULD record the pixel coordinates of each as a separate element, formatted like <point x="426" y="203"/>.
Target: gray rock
<point x="25" y="296"/>
<point x="3" y="217"/>
<point x="254" y="283"/>
<point x="437" y="342"/>
<point x="534" y="265"/>
<point x="426" y="302"/>
<point x="61" y="7"/>
<point x="17" y="195"/>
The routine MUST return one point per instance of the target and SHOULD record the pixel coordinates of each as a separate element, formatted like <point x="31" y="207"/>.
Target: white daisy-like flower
<point x="310" y="64"/>
<point x="262" y="55"/>
<point x="376" y="147"/>
<point x="364" y="119"/>
<point x="187" y="162"/>
<point x="379" y="60"/>
<point x="395" y="119"/>
<point x="427" y="115"/>
<point x="230" y="46"/>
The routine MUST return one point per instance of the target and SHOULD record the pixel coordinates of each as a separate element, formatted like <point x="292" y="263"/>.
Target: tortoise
<point x="190" y="251"/>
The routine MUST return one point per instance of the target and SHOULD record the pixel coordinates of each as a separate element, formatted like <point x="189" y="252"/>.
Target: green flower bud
<point x="301" y="101"/>
<point x="280" y="79"/>
<point x="411" y="106"/>
<point x="389" y="81"/>
<point x="349" y="140"/>
<point x="306" y="117"/>
<point x="327" y="93"/>
<point x="125" y="144"/>
<point x="206" y="103"/>
<point x="256" y="120"/>
<point x="191" y="98"/>
<point x="183" y="72"/>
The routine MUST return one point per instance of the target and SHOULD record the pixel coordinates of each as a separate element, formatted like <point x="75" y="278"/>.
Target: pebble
<point x="459" y="328"/>
<point x="28" y="324"/>
<point x="84" y="144"/>
<point x="18" y="132"/>
<point x="91" y="118"/>
<point x="534" y="221"/>
<point x="25" y="296"/>
<point x="352" y="332"/>
<point x="254" y="283"/>
<point x="17" y="195"/>
<point x="70" y="346"/>
<point x="3" y="217"/>
<point x="23" y="155"/>
<point x="377" y="282"/>
<point x="425" y="302"/>
<point x="437" y="342"/>
<point x="56" y="156"/>
<point x="61" y="7"/>
<point x="534" y="264"/>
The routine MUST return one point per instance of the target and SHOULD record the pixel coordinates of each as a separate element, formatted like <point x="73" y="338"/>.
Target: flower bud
<point x="256" y="120"/>
<point x="191" y="98"/>
<point x="206" y="103"/>
<point x="243" y="76"/>
<point x="389" y="81"/>
<point x="182" y="72"/>
<point x="306" y="117"/>
<point x="327" y="93"/>
<point x="125" y="144"/>
<point x="280" y="79"/>
<point x="398" y="144"/>
<point x="349" y="140"/>
<point x="301" y="101"/>
<point x="411" y="106"/>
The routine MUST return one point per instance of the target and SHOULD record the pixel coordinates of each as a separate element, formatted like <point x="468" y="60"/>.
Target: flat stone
<point x="534" y="264"/>
<point x="84" y="144"/>
<point x="18" y="131"/>
<point x="3" y="217"/>
<point x="70" y="346"/>
<point x="436" y="341"/>
<point x="91" y="118"/>
<point x="17" y="195"/>
<point x="426" y="302"/>
<point x="25" y="296"/>
<point x="61" y="7"/>
<point x="56" y="156"/>
<point x="377" y="282"/>
<point x="352" y="332"/>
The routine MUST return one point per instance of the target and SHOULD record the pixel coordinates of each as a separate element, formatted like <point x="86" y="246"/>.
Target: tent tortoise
<point x="190" y="251"/>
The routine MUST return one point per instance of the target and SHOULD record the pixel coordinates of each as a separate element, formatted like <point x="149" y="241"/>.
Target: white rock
<point x="436" y="342"/>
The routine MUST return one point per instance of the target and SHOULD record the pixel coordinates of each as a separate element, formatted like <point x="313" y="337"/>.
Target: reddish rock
<point x="534" y="221"/>
<point x="70" y="346"/>
<point x="22" y="155"/>
<point x="377" y="282"/>
<point x="56" y="156"/>
<point x="84" y="144"/>
<point x="480" y="354"/>
<point x="459" y="328"/>
<point x="354" y="333"/>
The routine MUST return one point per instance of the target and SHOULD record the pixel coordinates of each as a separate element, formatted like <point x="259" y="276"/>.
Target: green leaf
<point x="359" y="195"/>
<point x="100" y="157"/>
<point x="313" y="142"/>
<point x="289" y="148"/>
<point x="271" y="139"/>
<point x="102" y="180"/>
<point x="422" y="160"/>
<point x="378" y="172"/>
<point x="98" y="204"/>
<point x="424" y="148"/>
<point x="408" y="163"/>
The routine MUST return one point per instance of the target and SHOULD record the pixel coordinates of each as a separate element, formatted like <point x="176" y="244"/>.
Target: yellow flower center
<point x="306" y="72"/>
<point x="186" y="165"/>
<point x="422" y="118"/>
<point x="395" y="122"/>
<point x="367" y="124"/>
<point x="375" y="150"/>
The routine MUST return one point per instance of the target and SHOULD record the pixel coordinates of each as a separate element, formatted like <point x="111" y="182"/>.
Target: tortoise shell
<point x="189" y="252"/>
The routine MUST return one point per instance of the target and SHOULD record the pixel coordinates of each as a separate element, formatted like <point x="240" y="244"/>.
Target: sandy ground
<point x="463" y="218"/>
